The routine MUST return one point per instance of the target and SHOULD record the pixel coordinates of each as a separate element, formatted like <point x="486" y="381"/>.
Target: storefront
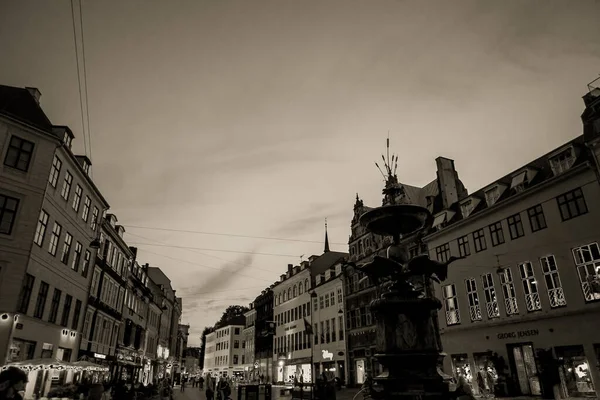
<point x="288" y="370"/>
<point x="527" y="358"/>
<point x="128" y="367"/>
<point x="331" y="361"/>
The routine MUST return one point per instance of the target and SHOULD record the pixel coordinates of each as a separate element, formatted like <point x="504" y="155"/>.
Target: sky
<point x="262" y="118"/>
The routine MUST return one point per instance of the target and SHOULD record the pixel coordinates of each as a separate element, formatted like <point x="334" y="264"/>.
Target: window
<point x="491" y="301"/>
<point x="496" y="233"/>
<point x="19" y="153"/>
<point x="587" y="261"/>
<point x="86" y="264"/>
<point x="40" y="230"/>
<point x="236" y="331"/>
<point x="40" y="303"/>
<point x="333" y="330"/>
<point x="479" y="240"/>
<point x="451" y="304"/>
<point x="64" y="258"/>
<point x="508" y="290"/>
<point x="300" y="288"/>
<point x="236" y="344"/>
<point x="56" y="230"/>
<point x="467" y="208"/>
<point x="77" y="258"/>
<point x="463" y="246"/>
<point x="321" y="302"/>
<point x="77" y="198"/>
<point x="562" y="162"/>
<point x="66" y="310"/>
<point x="571" y="204"/>
<point x="339" y="296"/>
<point x="94" y="223"/>
<point x="326" y="300"/>
<point x="86" y="208"/>
<point x="66" y="189"/>
<point x="54" y="306"/>
<point x="515" y="226"/>
<point x="332" y="298"/>
<point x="536" y="218"/>
<point x="235" y="359"/>
<point x="55" y="172"/>
<point x="492" y="196"/>
<point x="530" y="287"/>
<point x="473" y="297"/>
<point x="341" y="327"/>
<point x="316" y="304"/>
<point x="443" y="252"/>
<point x="8" y="211"/>
<point x="553" y="283"/>
<point x="25" y="294"/>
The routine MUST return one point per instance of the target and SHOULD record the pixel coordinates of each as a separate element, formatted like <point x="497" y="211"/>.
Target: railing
<point x="475" y="312"/>
<point x="589" y="294"/>
<point x="532" y="301"/>
<point x="492" y="309"/>
<point x="452" y="317"/>
<point x="511" y="306"/>
<point x="557" y="297"/>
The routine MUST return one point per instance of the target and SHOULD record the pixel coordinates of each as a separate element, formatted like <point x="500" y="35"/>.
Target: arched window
<point x="300" y="288"/>
<point x="284" y="295"/>
<point x="306" y="285"/>
<point x="289" y="293"/>
<point x="294" y="291"/>
<point x="279" y="298"/>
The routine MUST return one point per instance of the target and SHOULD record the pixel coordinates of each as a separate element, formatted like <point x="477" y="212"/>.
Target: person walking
<point x="182" y="384"/>
<point x="210" y="387"/>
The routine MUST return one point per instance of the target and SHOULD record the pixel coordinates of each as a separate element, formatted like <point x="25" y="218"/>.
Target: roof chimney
<point x="290" y="269"/>
<point x="35" y="93"/>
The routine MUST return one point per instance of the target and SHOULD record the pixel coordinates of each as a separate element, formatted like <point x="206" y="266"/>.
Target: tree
<point x="207" y="330"/>
<point x="233" y="315"/>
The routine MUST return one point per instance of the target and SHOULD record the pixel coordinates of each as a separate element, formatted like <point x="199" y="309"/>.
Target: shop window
<point x="473" y="297"/>
<point x="485" y="373"/>
<point x="556" y="294"/>
<point x="575" y="373"/>
<point x="587" y="261"/>
<point x="491" y="301"/>
<point x="461" y="367"/>
<point x="508" y="290"/>
<point x="530" y="287"/>
<point x="451" y="304"/>
<point x="21" y="350"/>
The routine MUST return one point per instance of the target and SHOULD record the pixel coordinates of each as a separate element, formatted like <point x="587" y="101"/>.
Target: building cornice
<point x="511" y="200"/>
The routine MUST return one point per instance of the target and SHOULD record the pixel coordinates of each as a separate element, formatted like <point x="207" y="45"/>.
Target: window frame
<point x="442" y="252"/>
<point x="7" y="212"/>
<point x="515" y="221"/>
<point x="496" y="233"/>
<point x="577" y="199"/>
<point x="20" y="151"/>
<point x="537" y="213"/>
<point x="41" y="228"/>
<point x="464" y="248"/>
<point x="479" y="241"/>
<point x="55" y="171"/>
<point x="67" y="186"/>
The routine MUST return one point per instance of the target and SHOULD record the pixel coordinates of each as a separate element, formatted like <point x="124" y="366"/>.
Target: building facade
<point x="358" y="289"/>
<point x="292" y="355"/>
<point x="223" y="354"/>
<point x="329" y="339"/>
<point x="264" y="333"/>
<point x="104" y="313"/>
<point x="248" y="344"/>
<point x="49" y="210"/>
<point x="528" y="291"/>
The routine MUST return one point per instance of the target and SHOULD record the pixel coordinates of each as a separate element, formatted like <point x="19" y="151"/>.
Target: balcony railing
<point x="532" y="301"/>
<point x="452" y="317"/>
<point x="492" y="309"/>
<point x="557" y="297"/>
<point x="475" y="313"/>
<point x="511" y="306"/>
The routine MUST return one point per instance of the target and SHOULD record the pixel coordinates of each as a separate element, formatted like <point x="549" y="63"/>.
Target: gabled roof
<point x="19" y="104"/>
<point x="326" y="261"/>
<point x="543" y="173"/>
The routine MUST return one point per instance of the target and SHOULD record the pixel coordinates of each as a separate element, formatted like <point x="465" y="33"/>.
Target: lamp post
<point x="313" y="295"/>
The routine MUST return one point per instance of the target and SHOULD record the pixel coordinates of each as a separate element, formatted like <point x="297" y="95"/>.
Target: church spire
<point x="326" y="238"/>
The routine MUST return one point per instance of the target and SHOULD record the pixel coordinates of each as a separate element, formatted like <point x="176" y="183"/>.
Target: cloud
<point x="314" y="222"/>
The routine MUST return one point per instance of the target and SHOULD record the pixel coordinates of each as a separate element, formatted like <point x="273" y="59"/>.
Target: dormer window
<point x="562" y="161"/>
<point x="521" y="180"/>
<point x="493" y="194"/>
<point x="318" y="279"/>
<point x="467" y="208"/>
<point x="442" y="219"/>
<point x="67" y="139"/>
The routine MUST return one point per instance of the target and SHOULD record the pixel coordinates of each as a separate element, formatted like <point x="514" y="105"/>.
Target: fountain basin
<point x="395" y="219"/>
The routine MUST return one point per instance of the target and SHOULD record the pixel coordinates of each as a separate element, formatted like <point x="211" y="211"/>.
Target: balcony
<point x="532" y="301"/>
<point x="557" y="297"/>
<point x="511" y="306"/>
<point x="475" y="313"/>
<point x="452" y="317"/>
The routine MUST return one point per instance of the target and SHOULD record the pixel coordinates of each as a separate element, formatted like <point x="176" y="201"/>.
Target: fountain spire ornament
<point x="408" y="338"/>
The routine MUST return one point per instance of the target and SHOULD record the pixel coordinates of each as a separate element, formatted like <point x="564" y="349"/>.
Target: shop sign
<point x="518" y="334"/>
<point x="287" y="328"/>
<point x="327" y="355"/>
<point x="100" y="356"/>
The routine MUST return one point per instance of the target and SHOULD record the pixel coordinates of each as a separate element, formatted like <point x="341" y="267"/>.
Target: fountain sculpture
<point x="408" y="339"/>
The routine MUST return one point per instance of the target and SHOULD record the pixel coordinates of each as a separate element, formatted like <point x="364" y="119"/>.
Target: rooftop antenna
<point x="380" y="170"/>
<point x="388" y="149"/>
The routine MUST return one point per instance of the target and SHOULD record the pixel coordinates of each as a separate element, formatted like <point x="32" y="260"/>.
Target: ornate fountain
<point x="408" y="338"/>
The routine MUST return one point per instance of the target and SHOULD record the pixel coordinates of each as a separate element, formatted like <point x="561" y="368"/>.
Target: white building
<point x="329" y="344"/>
<point x="223" y="354"/>
<point x="292" y="343"/>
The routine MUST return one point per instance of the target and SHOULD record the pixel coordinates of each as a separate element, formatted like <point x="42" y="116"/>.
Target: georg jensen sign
<point x="518" y="334"/>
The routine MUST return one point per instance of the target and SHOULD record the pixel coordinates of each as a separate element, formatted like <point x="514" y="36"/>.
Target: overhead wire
<point x="217" y="250"/>
<point x="79" y="78"/>
<point x="229" y="235"/>
<point x="87" y="108"/>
